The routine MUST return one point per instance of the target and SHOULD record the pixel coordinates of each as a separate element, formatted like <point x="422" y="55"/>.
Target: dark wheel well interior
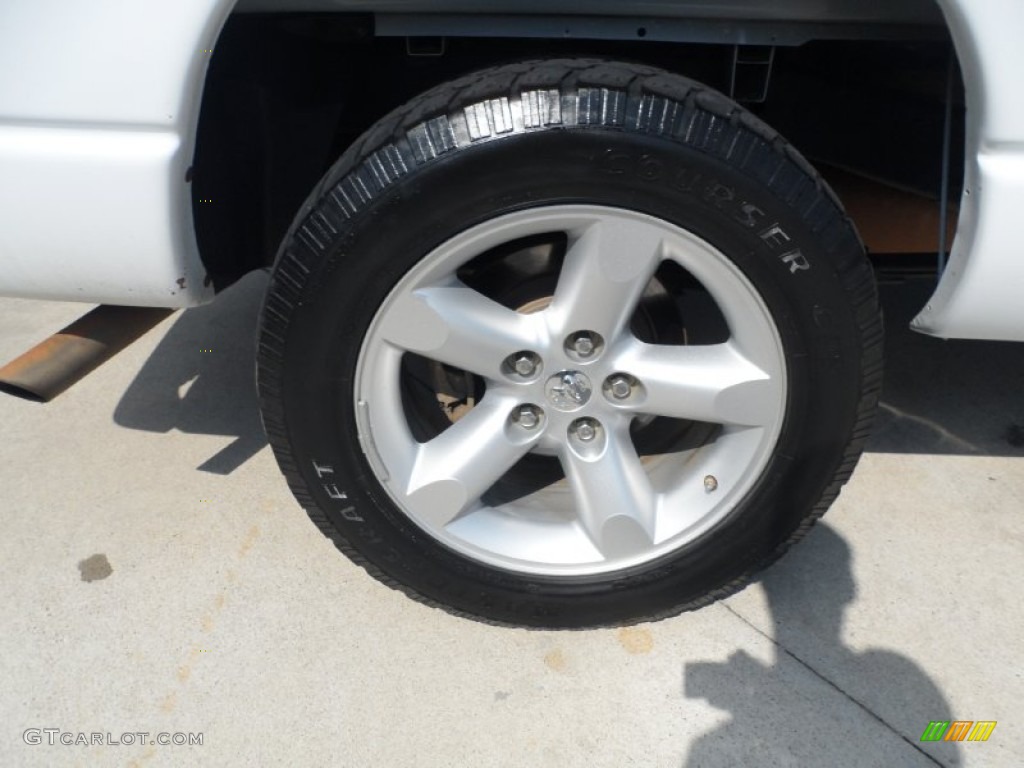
<point x="287" y="93"/>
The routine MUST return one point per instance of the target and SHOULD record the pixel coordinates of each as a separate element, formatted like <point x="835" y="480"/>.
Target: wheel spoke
<point x="453" y="470"/>
<point x="614" y="498"/>
<point x="460" y="327"/>
<point x="565" y="380"/>
<point x="605" y="270"/>
<point x="713" y="383"/>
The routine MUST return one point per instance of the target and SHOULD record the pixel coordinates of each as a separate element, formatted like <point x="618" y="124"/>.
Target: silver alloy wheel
<point x="614" y="509"/>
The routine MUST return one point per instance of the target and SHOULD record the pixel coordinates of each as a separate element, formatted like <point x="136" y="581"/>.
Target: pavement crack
<point x="849" y="697"/>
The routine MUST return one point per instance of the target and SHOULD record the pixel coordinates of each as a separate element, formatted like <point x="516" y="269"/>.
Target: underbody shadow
<point x="940" y="397"/>
<point x="200" y="379"/>
<point x="946" y="397"/>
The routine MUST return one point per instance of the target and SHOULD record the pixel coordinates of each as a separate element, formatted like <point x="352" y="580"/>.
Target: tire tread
<point x="590" y="93"/>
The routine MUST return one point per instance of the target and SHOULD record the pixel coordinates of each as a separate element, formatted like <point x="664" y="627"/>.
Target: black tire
<point x="554" y="132"/>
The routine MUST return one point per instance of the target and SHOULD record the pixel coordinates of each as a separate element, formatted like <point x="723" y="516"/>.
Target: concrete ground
<point x="158" y="577"/>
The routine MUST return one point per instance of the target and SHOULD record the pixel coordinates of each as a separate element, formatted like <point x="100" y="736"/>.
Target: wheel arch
<point x="232" y="244"/>
<point x="977" y="295"/>
<point x="97" y="118"/>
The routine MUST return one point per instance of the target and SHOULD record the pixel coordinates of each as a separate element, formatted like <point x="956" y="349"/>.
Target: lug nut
<point x="585" y="429"/>
<point x="620" y="387"/>
<point x="524" y="364"/>
<point x="583" y="345"/>
<point x="528" y="416"/>
<point x="710" y="483"/>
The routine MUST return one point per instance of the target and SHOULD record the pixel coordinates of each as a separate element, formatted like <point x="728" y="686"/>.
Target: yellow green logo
<point x="958" y="730"/>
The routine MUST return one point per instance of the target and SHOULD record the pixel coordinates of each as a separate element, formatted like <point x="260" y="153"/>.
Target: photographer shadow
<point x="200" y="379"/>
<point x="868" y="708"/>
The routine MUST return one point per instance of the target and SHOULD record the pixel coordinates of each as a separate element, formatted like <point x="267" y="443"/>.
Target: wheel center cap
<point x="568" y="390"/>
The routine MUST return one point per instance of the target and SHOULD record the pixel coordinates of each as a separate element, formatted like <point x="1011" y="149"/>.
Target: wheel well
<point x="287" y="93"/>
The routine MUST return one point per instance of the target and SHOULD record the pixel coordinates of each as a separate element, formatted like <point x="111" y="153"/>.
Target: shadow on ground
<point x="778" y="718"/>
<point x="940" y="397"/>
<point x="946" y="397"/>
<point x="200" y="379"/>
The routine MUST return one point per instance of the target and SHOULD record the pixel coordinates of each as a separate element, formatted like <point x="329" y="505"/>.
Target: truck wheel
<point x="569" y="343"/>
